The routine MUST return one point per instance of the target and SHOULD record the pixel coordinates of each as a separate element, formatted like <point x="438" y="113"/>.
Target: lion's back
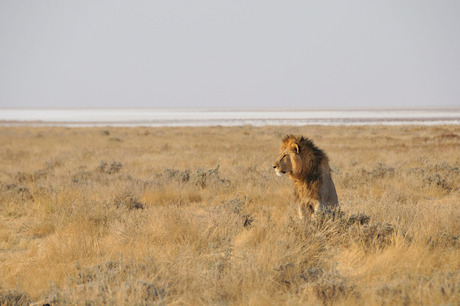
<point x="327" y="192"/>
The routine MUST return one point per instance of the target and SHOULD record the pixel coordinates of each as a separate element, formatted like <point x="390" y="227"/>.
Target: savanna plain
<point x="196" y="215"/>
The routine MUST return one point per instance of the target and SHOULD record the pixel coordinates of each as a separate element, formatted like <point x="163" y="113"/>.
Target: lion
<point x="308" y="168"/>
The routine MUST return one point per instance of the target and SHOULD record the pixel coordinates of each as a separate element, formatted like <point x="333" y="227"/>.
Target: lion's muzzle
<point x="277" y="171"/>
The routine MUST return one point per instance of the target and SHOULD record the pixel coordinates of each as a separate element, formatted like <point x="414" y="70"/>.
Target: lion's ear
<point x="295" y="148"/>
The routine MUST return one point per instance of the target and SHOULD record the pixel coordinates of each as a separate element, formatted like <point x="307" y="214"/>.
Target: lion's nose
<point x="274" y="166"/>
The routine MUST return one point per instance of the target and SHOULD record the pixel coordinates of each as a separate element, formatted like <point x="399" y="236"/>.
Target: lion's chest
<point x="305" y="192"/>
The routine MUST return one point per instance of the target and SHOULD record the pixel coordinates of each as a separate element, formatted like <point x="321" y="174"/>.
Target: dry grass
<point x="197" y="216"/>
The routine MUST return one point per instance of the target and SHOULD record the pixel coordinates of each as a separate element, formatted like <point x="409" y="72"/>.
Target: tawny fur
<point x="308" y="167"/>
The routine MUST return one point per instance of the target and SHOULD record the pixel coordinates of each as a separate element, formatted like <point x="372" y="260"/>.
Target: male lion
<point x="308" y="167"/>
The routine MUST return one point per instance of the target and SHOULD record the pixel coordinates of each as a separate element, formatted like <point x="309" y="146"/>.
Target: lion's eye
<point x="283" y="157"/>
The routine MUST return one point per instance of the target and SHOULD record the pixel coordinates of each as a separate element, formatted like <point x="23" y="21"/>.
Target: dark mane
<point x="305" y="144"/>
<point x="312" y="156"/>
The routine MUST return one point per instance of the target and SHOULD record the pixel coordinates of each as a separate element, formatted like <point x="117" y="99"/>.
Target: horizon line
<point x="241" y="109"/>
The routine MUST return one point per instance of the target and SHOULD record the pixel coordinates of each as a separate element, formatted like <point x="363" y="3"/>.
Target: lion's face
<point x="289" y="154"/>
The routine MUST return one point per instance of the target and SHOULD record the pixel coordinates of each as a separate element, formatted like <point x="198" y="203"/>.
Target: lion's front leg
<point x="306" y="209"/>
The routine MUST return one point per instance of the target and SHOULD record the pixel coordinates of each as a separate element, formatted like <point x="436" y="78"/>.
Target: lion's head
<point x="298" y="157"/>
<point x="289" y="158"/>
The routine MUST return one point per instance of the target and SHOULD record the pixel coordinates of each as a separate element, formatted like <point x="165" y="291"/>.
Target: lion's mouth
<point x="279" y="173"/>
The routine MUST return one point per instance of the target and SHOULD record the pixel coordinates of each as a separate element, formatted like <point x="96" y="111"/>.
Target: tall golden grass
<point x="197" y="216"/>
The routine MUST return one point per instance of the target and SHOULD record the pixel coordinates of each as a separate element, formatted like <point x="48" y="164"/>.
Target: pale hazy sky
<point x="302" y="54"/>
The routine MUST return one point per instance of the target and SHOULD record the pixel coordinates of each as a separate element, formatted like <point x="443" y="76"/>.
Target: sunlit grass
<point x="197" y="216"/>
